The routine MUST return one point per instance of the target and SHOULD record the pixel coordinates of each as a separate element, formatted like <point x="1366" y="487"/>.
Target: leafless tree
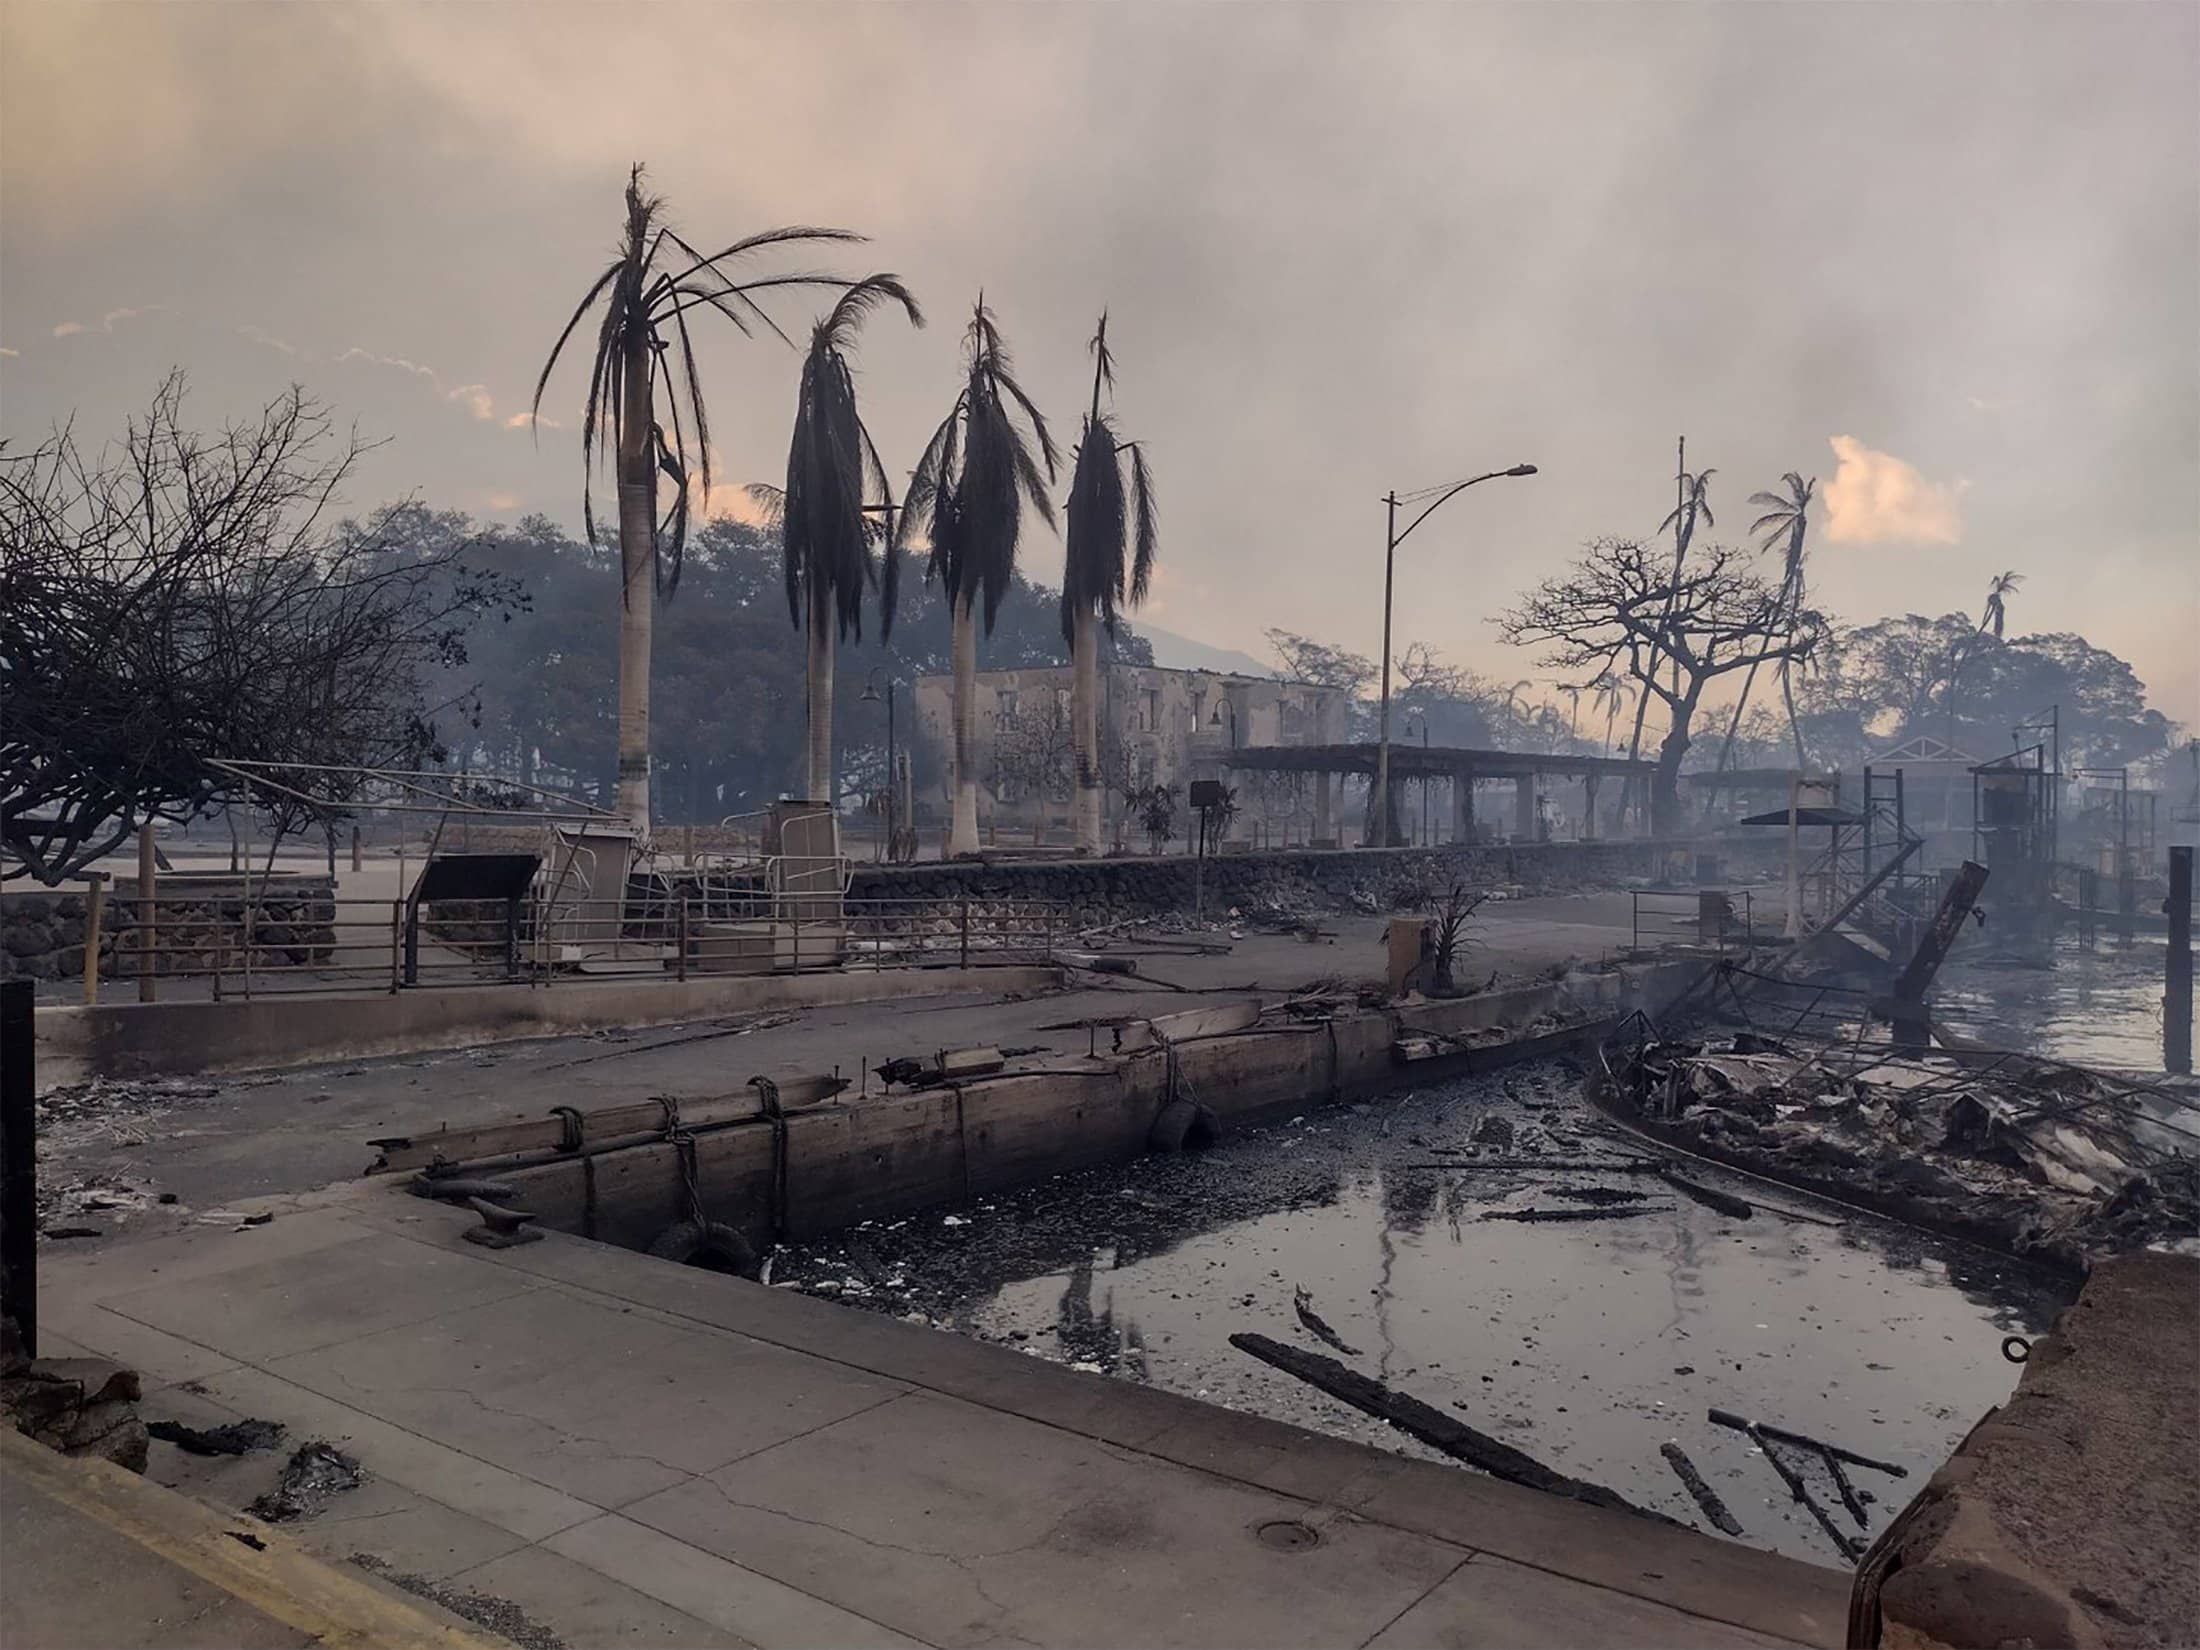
<point x="1614" y="610"/>
<point x="185" y="597"/>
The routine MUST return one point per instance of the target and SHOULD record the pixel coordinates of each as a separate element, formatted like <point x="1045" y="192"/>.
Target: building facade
<point x="1158" y="727"/>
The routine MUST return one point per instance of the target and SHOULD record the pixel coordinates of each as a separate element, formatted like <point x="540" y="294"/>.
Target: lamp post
<point x="1394" y="538"/>
<point x="870" y="696"/>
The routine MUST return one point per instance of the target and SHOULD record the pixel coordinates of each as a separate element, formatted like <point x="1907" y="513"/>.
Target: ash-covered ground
<point x="1587" y="1343"/>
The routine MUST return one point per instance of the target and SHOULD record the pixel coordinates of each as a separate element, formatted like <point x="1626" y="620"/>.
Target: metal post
<point x="683" y="940"/>
<point x="893" y="769"/>
<point x="19" y="1163"/>
<point x="2177" y="998"/>
<point x="1382" y="749"/>
<point x="966" y="931"/>
<point x="397" y="943"/>
<point x="147" y="924"/>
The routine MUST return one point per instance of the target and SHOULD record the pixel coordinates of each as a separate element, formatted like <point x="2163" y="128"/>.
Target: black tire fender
<point x="1183" y="1123"/>
<point x="710" y="1245"/>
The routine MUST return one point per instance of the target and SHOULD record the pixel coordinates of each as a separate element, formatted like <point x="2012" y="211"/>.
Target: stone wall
<point x="42" y="933"/>
<point x="1305" y="880"/>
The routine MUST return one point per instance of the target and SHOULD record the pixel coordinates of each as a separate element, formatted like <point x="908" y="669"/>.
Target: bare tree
<point x="186" y="598"/>
<point x="1613" y="611"/>
<point x="1306" y="660"/>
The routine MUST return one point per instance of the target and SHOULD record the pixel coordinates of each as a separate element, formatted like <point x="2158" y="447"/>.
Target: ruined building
<point x="1157" y="727"/>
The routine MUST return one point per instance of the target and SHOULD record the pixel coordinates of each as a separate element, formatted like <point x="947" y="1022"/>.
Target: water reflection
<point x="1588" y="1343"/>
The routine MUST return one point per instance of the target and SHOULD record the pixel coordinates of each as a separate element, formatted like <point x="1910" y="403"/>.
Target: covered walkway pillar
<point x="1323" y="830"/>
<point x="1462" y="805"/>
<point x="1589" y="805"/>
<point x="1524" y="808"/>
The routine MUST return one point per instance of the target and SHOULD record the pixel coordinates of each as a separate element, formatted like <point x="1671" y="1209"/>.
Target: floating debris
<point x="1316" y="1327"/>
<point x="1706" y="1497"/>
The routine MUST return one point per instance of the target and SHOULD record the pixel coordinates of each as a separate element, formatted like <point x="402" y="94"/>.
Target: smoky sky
<point x="1344" y="248"/>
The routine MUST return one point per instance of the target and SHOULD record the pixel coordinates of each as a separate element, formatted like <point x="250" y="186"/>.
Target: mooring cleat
<point x="500" y="1228"/>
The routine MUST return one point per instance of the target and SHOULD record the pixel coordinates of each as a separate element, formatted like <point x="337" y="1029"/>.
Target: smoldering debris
<point x="315" y="1474"/>
<point x="2043" y="1161"/>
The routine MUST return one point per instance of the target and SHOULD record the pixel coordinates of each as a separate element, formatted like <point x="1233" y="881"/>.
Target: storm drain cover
<point x="1287" y="1535"/>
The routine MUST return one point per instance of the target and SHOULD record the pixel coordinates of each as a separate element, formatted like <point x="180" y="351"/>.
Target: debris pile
<point x="2045" y="1161"/>
<point x="79" y="1406"/>
<point x="314" y="1474"/>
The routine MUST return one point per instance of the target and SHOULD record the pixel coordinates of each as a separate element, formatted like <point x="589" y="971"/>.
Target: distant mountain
<point x="1174" y="652"/>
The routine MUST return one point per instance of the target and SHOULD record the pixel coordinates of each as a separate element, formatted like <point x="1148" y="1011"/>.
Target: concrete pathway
<point x="634" y="1453"/>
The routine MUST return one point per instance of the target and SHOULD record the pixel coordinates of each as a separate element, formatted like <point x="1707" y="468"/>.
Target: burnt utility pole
<point x="2177" y="995"/>
<point x="1394" y="538"/>
<point x="18" y="1165"/>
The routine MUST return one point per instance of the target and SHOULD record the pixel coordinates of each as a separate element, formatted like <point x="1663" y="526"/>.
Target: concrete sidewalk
<point x="635" y="1453"/>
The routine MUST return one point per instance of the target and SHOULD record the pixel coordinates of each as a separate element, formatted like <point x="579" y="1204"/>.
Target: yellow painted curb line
<point x="279" y="1578"/>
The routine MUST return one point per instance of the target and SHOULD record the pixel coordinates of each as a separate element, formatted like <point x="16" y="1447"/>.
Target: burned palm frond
<point x="1111" y="535"/>
<point x="979" y="471"/>
<point x="643" y="349"/>
<point x="836" y="491"/>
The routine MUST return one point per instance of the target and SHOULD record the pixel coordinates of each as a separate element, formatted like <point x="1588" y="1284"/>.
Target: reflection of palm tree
<point x="1785" y="518"/>
<point x="646" y="294"/>
<point x="1998" y="591"/>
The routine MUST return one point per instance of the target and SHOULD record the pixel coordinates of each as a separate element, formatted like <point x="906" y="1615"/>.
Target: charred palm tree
<point x="967" y="496"/>
<point x="1109" y="560"/>
<point x="1691" y="503"/>
<point x="1785" y="520"/>
<point x="641" y="341"/>
<point x="836" y="503"/>
<point x="1998" y="591"/>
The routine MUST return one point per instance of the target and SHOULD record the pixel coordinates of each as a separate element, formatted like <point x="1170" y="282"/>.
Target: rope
<point x="767" y="1093"/>
<point x="576" y="1127"/>
<point x="682" y="1141"/>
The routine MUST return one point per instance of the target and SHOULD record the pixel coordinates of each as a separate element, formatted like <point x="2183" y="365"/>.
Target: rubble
<point x="314" y="1474"/>
<point x="2043" y="1161"/>
<point x="78" y="1406"/>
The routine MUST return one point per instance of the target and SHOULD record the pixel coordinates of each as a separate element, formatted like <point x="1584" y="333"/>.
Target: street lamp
<point x="1390" y="558"/>
<point x="870" y="696"/>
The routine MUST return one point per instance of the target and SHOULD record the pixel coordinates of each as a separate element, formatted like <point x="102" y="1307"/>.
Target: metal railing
<point x="1706" y="919"/>
<point x="241" y="948"/>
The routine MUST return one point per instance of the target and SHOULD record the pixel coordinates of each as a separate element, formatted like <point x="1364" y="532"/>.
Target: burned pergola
<point x="1461" y="765"/>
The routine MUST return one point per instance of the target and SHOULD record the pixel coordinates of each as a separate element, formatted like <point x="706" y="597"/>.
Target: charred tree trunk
<point x="638" y="585"/>
<point x="1085" y="715"/>
<point x="818" y="777"/>
<point x="962" y="835"/>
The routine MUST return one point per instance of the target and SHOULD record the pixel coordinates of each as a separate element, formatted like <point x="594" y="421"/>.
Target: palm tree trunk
<point x="818" y="775"/>
<point x="1085" y="719"/>
<point x="1795" y="728"/>
<point x="962" y="834"/>
<point x="1726" y="751"/>
<point x="638" y="588"/>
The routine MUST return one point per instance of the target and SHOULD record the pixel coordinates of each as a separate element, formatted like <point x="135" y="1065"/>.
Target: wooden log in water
<point x="1706" y="1497"/>
<point x="1432" y="1426"/>
<point x="1726" y="1203"/>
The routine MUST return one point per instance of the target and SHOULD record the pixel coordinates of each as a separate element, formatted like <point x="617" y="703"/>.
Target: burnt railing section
<point x="241" y="948"/>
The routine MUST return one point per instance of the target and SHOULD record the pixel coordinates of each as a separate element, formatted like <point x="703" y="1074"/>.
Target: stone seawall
<point x="197" y="917"/>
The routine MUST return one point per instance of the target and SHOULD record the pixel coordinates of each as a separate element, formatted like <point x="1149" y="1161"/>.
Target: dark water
<point x="1587" y="1344"/>
<point x="2099" y="1006"/>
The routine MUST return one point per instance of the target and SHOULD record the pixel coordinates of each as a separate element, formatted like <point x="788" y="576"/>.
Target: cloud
<point x="1877" y="498"/>
<point x="4" y="350"/>
<point x="475" y="398"/>
<point x="269" y="339"/>
<point x="504" y="503"/>
<point x="355" y="353"/>
<point x="107" y="322"/>
<point x="526" y="420"/>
